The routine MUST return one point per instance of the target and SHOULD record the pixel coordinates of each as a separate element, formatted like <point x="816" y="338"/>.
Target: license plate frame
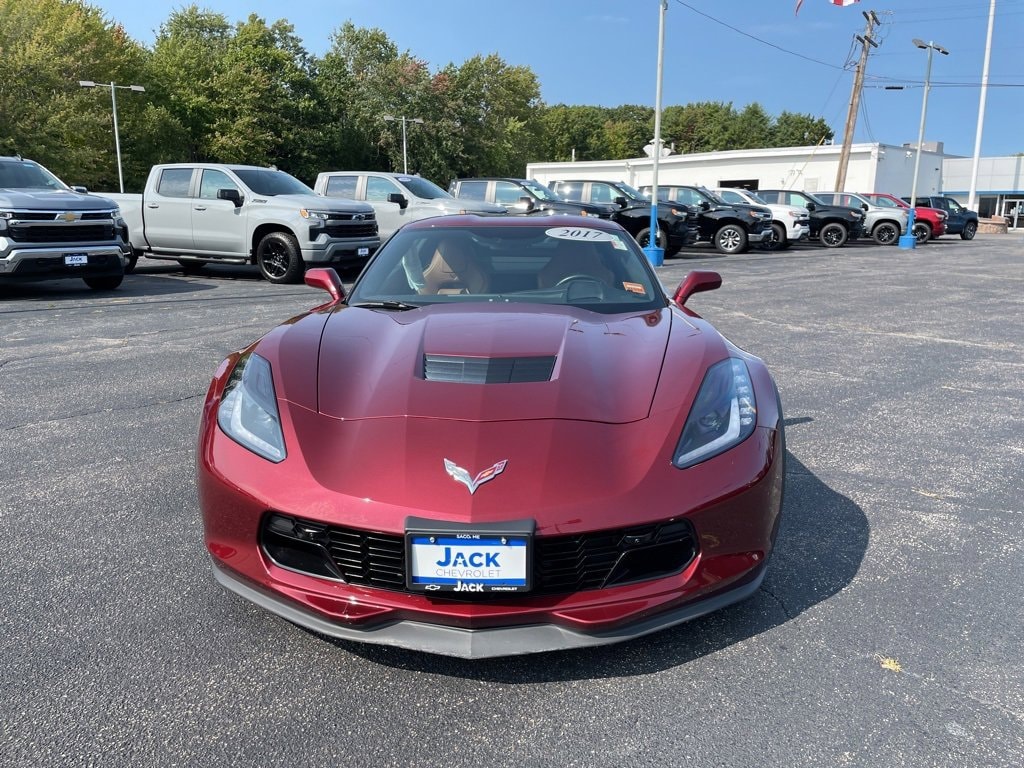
<point x="76" y="259"/>
<point x="362" y="252"/>
<point x="475" y="558"/>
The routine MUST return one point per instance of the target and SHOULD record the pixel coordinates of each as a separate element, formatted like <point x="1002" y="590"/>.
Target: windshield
<point x="264" y="181"/>
<point x="710" y="195"/>
<point x="423" y="188"/>
<point x="884" y="202"/>
<point x="541" y="192"/>
<point x="630" y="191"/>
<point x="26" y="175"/>
<point x="595" y="269"/>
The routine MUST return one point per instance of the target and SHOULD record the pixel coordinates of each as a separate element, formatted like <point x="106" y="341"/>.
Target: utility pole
<point x="867" y="42"/>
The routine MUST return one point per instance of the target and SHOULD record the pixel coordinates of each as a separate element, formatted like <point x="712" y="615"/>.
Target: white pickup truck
<point x="201" y="213"/>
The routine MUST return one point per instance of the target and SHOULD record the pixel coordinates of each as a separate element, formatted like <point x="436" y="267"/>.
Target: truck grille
<point x="66" y="233"/>
<point x="57" y="215"/>
<point x="560" y="563"/>
<point x="337" y="228"/>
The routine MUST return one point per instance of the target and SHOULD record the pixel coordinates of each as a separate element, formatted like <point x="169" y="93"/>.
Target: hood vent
<point x="457" y="369"/>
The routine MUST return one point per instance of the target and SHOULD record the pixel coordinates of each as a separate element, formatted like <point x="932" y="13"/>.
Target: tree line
<point x="249" y="92"/>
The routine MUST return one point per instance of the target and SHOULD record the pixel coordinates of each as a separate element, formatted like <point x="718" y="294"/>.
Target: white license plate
<point x="363" y="252"/>
<point x="75" y="259"/>
<point x="468" y="562"/>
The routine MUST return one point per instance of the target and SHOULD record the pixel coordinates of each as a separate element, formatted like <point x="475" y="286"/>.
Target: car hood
<point x="53" y="200"/>
<point x="318" y="203"/>
<point x="572" y="364"/>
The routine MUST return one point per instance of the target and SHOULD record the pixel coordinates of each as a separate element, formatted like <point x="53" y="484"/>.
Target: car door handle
<point x="200" y="207"/>
<point x="152" y="205"/>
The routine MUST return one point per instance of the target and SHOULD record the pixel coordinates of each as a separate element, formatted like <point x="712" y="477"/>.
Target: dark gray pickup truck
<point x="49" y="231"/>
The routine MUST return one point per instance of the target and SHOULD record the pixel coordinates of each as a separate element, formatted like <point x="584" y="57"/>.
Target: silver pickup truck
<point x="49" y="231"/>
<point x="200" y="213"/>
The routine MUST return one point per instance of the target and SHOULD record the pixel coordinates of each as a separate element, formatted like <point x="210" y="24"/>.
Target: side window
<point x="731" y="197"/>
<point x="212" y="181"/>
<point x="174" y="182"/>
<point x="570" y="190"/>
<point x="507" y="193"/>
<point x="768" y="197"/>
<point x="473" y="190"/>
<point x="688" y="197"/>
<point x="603" y="193"/>
<point x="793" y="198"/>
<point x="378" y="189"/>
<point x="341" y="186"/>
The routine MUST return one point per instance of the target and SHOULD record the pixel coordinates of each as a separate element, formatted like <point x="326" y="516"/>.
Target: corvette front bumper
<point x="488" y="642"/>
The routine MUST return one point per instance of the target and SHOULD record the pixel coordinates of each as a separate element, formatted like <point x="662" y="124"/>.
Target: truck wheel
<point x="778" y="240"/>
<point x="922" y="232"/>
<point x="833" y="235"/>
<point x="104" y="283"/>
<point x="886" y="233"/>
<point x="730" y="239"/>
<point x="279" y="258"/>
<point x="970" y="230"/>
<point x="643" y="238"/>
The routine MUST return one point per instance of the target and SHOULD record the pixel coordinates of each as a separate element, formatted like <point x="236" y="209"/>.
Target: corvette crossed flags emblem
<point x="462" y="476"/>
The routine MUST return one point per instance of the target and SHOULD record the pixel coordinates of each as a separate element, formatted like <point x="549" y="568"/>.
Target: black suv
<point x="959" y="220"/>
<point x="523" y="196"/>
<point x="677" y="225"/>
<point x="833" y="225"/>
<point x="730" y="227"/>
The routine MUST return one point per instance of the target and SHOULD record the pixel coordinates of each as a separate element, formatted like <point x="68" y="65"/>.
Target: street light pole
<point x="405" y="154"/>
<point x="930" y="47"/>
<point x="113" y="101"/>
<point x="655" y="253"/>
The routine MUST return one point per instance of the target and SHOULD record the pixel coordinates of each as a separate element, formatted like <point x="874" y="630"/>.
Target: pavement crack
<point x="789" y="614"/>
<point x="120" y="409"/>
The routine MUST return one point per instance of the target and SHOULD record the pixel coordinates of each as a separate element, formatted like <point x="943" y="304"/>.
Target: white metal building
<point x="1000" y="187"/>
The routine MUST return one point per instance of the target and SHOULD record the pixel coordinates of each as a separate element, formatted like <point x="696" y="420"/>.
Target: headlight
<point x="320" y="215"/>
<point x="855" y="214"/>
<point x="4" y="216"/>
<point x="248" y="410"/>
<point x="798" y="214"/>
<point x="722" y="416"/>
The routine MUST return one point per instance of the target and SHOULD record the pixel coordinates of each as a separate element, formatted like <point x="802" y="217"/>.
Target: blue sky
<point x="604" y="52"/>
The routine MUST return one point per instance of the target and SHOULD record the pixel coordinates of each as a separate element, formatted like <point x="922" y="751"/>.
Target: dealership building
<point x="872" y="167"/>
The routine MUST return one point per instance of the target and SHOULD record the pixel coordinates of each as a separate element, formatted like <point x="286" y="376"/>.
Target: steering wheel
<point x="599" y="293"/>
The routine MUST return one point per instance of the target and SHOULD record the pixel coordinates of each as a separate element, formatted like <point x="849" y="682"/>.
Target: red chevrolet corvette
<point x="506" y="439"/>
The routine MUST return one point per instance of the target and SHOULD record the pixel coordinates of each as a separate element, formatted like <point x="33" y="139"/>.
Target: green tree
<point x="796" y="130"/>
<point x="570" y="131"/>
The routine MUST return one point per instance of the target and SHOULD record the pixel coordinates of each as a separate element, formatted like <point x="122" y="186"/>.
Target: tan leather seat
<point x="453" y="269"/>
<point x="578" y="260"/>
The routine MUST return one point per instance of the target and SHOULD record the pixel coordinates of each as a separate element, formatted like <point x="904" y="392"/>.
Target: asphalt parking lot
<point x="888" y="632"/>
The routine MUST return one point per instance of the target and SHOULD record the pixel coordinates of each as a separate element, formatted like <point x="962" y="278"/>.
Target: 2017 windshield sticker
<point x="580" y="234"/>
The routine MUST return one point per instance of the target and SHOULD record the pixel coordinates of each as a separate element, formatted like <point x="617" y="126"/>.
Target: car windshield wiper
<point x="399" y="306"/>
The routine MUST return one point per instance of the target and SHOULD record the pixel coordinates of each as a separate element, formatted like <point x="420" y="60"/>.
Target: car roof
<point x="462" y="221"/>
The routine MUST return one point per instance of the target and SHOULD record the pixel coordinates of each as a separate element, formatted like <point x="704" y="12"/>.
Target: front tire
<point x="833" y="235"/>
<point x="731" y="239"/>
<point x="279" y="258"/>
<point x="970" y="230"/>
<point x="778" y="241"/>
<point x="643" y="238"/>
<point x="922" y="232"/>
<point x="104" y="283"/>
<point x="886" y="233"/>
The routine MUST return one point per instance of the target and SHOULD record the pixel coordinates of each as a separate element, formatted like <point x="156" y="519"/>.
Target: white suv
<point x="790" y="223"/>
<point x="397" y="198"/>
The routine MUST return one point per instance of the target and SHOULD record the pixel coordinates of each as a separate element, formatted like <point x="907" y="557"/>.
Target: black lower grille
<point x="355" y="229"/>
<point x="35" y="233"/>
<point x="560" y="563"/>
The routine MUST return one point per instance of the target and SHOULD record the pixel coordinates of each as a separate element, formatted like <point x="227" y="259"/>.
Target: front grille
<point x="560" y="563"/>
<point x="42" y="233"/>
<point x="487" y="370"/>
<point x="56" y="215"/>
<point x="334" y="228"/>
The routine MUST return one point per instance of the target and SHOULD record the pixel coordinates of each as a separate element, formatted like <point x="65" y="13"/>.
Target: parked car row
<point x="200" y="213"/>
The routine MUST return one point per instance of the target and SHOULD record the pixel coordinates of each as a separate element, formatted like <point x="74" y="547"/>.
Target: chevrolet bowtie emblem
<point x="461" y="475"/>
<point x="69" y="216"/>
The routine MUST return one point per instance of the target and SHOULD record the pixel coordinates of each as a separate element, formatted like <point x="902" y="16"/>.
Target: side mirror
<point x="865" y="206"/>
<point x="620" y="201"/>
<point x="80" y="190"/>
<point x="705" y="205"/>
<point x="696" y="281"/>
<point x="525" y="203"/>
<point x="398" y="197"/>
<point x="812" y="207"/>
<point x="327" y="279"/>
<point x="230" y="194"/>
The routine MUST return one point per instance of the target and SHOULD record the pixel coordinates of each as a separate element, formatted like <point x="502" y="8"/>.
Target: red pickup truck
<point x="928" y="222"/>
